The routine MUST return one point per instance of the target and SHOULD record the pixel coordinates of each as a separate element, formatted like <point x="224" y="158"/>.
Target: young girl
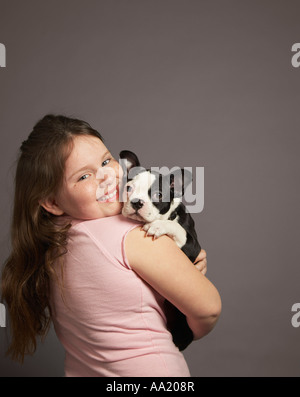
<point x="77" y="261"/>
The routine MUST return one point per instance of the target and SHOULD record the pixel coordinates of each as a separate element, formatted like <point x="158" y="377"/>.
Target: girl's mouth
<point x="110" y="197"/>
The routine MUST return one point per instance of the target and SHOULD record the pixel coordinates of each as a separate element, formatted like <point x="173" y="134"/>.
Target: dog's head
<point x="150" y="195"/>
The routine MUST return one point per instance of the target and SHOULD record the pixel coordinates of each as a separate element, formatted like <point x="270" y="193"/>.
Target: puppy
<point x="155" y="200"/>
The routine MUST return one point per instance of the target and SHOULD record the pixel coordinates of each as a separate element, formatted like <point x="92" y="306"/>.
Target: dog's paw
<point x="156" y="228"/>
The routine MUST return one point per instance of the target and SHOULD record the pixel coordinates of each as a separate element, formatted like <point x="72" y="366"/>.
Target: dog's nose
<point x="137" y="203"/>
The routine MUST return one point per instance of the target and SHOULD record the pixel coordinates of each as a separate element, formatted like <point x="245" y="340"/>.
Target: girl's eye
<point x="84" y="177"/>
<point x="105" y="162"/>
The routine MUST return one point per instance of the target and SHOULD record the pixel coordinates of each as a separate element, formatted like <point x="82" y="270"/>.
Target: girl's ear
<point x="51" y="206"/>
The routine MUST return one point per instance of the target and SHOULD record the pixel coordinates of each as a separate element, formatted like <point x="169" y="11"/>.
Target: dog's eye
<point x="129" y="189"/>
<point x="157" y="196"/>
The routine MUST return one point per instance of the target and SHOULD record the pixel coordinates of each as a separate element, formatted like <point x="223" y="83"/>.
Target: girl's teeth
<point x="108" y="196"/>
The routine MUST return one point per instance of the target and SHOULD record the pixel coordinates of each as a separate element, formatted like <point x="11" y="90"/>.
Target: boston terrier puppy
<point x="155" y="200"/>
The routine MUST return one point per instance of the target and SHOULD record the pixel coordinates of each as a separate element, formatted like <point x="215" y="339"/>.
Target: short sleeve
<point x="109" y="235"/>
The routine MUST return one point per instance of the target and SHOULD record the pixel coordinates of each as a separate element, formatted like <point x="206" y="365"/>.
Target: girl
<point x="76" y="261"/>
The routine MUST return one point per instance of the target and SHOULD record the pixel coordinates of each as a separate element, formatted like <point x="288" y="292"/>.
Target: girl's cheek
<point x="92" y="187"/>
<point x="85" y="189"/>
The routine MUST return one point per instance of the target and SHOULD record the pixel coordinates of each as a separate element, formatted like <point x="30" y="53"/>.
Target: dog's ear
<point x="129" y="159"/>
<point x="179" y="180"/>
<point x="130" y="164"/>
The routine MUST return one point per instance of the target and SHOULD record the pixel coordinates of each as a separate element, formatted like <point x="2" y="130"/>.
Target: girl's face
<point x="91" y="174"/>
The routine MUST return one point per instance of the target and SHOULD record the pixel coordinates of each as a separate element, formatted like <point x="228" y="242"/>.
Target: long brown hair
<point x="37" y="239"/>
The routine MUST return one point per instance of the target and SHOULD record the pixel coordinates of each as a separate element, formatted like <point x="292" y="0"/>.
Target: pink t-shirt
<point x="109" y="321"/>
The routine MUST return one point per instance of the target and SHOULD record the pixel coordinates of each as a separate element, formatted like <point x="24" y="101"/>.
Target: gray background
<point x="188" y="83"/>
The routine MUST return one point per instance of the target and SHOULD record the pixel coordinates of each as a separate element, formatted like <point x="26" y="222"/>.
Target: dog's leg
<point x="171" y="228"/>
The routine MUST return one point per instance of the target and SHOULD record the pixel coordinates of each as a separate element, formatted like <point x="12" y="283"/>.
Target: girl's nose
<point x="107" y="180"/>
<point x="106" y="176"/>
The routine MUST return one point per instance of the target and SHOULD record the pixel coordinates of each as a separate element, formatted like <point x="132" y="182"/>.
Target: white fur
<point x="140" y="185"/>
<point x="171" y="228"/>
<point x="156" y="224"/>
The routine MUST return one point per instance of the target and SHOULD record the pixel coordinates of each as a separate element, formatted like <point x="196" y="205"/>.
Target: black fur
<point x="176" y="320"/>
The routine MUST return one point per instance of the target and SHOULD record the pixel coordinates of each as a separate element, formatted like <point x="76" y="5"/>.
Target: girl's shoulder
<point x="106" y="235"/>
<point x="111" y="225"/>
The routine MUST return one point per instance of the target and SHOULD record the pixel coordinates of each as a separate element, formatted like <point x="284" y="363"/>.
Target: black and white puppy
<point x="156" y="200"/>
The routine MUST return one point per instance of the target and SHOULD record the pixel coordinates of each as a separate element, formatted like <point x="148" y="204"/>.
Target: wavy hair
<point x="37" y="239"/>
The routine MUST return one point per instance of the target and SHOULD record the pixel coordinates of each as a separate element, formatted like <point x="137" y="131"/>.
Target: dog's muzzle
<point x="137" y="204"/>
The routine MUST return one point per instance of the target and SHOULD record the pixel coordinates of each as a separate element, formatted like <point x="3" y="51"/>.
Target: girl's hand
<point x="201" y="262"/>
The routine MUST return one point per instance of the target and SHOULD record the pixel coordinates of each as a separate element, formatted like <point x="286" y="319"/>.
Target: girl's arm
<point x="163" y="265"/>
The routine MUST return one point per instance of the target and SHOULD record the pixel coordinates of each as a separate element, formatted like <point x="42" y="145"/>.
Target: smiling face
<point x="90" y="187"/>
